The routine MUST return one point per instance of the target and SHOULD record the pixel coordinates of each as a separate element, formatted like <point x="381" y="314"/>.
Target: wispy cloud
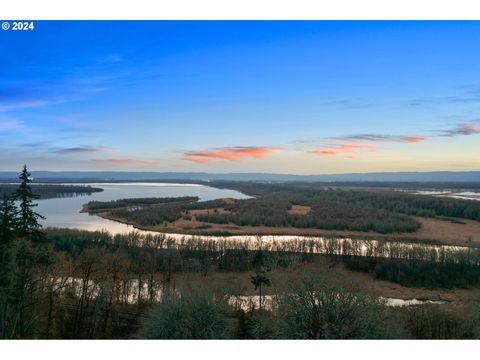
<point x="229" y="154"/>
<point x="361" y="143"/>
<point x="79" y="150"/>
<point x="344" y="149"/>
<point x="146" y="164"/>
<point x="36" y="145"/>
<point x="383" y="137"/>
<point x="413" y="139"/>
<point x="66" y="86"/>
<point x="355" y="103"/>
<point x="470" y="97"/>
<point x="9" y="124"/>
<point x="110" y="59"/>
<point x="26" y="103"/>
<point x="23" y="95"/>
<point x="353" y="144"/>
<point x="470" y="128"/>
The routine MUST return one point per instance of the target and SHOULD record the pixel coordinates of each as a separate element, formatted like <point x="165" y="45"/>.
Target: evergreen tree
<point x="260" y="279"/>
<point x="26" y="256"/>
<point x="7" y="234"/>
<point x="8" y="221"/>
<point x="28" y="225"/>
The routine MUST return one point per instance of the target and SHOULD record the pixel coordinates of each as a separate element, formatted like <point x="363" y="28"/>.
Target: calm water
<point x="65" y="212"/>
<point x="454" y="194"/>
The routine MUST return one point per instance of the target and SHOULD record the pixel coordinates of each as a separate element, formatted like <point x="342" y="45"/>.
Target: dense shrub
<point x="312" y="310"/>
<point x="187" y="315"/>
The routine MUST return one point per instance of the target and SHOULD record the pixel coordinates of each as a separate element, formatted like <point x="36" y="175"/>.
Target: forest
<point x="300" y="206"/>
<point x="273" y="211"/>
<point x="97" y="206"/>
<point x="73" y="284"/>
<point x="387" y="199"/>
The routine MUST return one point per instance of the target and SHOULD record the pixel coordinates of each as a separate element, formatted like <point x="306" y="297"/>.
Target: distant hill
<point x="102" y="176"/>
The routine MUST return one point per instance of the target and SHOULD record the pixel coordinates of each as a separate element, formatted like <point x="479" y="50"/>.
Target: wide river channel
<point x="65" y="212"/>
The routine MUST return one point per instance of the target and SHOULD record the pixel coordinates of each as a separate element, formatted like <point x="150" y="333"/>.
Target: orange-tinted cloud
<point x="229" y="154"/>
<point x="343" y="149"/>
<point x="126" y="162"/>
<point x="413" y="139"/>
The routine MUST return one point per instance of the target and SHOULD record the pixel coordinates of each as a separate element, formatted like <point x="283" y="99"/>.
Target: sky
<point x="280" y="97"/>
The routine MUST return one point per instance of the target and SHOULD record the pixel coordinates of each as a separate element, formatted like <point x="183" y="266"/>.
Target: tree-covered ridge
<point x="52" y="191"/>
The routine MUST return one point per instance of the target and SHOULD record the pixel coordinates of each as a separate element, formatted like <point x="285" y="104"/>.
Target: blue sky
<point x="290" y="97"/>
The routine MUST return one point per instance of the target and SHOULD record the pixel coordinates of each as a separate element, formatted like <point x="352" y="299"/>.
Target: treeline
<point x="96" y="206"/>
<point x="144" y="211"/>
<point x="151" y="215"/>
<point x="409" y="264"/>
<point x="52" y="191"/>
<point x="253" y="187"/>
<point x="273" y="211"/>
<point x="421" y="205"/>
<point x="151" y="211"/>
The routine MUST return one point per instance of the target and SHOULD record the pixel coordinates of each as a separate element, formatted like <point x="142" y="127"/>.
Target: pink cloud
<point x="413" y="139"/>
<point x="344" y="149"/>
<point x="229" y="154"/>
<point x="471" y="128"/>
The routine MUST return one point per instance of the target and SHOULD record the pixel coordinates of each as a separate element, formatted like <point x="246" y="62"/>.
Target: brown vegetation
<point x="442" y="231"/>
<point x="299" y="210"/>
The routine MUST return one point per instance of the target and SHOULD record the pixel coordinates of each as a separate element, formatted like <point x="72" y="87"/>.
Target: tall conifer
<point x="28" y="224"/>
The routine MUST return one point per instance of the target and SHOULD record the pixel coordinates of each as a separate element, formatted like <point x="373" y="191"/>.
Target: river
<point x="65" y="212"/>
